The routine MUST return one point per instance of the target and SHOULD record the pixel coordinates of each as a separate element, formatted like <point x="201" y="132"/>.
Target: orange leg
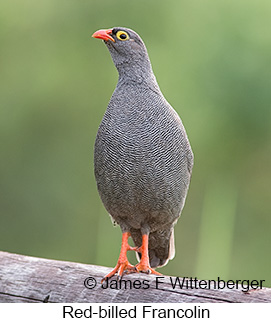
<point x="123" y="263"/>
<point x="144" y="264"/>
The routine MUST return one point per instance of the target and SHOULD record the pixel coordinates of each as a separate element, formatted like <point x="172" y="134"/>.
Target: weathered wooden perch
<point x="29" y="279"/>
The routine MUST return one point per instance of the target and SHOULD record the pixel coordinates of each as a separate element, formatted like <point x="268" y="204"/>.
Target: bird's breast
<point x="141" y="157"/>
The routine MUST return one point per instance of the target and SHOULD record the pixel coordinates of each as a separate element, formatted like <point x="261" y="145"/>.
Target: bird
<point x="142" y="157"/>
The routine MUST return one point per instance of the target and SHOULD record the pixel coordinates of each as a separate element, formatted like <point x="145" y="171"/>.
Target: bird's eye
<point x="122" y="35"/>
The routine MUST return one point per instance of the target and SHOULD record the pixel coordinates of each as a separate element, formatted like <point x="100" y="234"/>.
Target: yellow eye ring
<point x="122" y="35"/>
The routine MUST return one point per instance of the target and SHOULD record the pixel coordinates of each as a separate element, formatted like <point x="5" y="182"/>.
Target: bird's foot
<point x="144" y="264"/>
<point x="122" y="267"/>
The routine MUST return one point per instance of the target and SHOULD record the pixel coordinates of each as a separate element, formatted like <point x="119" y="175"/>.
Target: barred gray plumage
<point x="143" y="160"/>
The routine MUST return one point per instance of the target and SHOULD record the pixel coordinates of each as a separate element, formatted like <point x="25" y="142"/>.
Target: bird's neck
<point x="138" y="72"/>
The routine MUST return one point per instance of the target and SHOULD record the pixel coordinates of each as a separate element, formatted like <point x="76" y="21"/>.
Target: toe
<point x="146" y="269"/>
<point x="120" y="269"/>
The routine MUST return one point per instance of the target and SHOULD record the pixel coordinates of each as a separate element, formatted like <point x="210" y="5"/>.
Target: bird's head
<point x="125" y="46"/>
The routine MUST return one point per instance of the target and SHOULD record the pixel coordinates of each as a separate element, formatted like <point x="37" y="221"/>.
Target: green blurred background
<point x="212" y="61"/>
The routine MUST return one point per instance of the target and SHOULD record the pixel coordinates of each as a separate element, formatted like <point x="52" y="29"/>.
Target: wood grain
<point x="29" y="279"/>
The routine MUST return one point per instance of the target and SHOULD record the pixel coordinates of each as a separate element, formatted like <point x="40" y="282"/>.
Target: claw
<point x="146" y="269"/>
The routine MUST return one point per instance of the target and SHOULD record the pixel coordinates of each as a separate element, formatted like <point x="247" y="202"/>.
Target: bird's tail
<point x="161" y="247"/>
